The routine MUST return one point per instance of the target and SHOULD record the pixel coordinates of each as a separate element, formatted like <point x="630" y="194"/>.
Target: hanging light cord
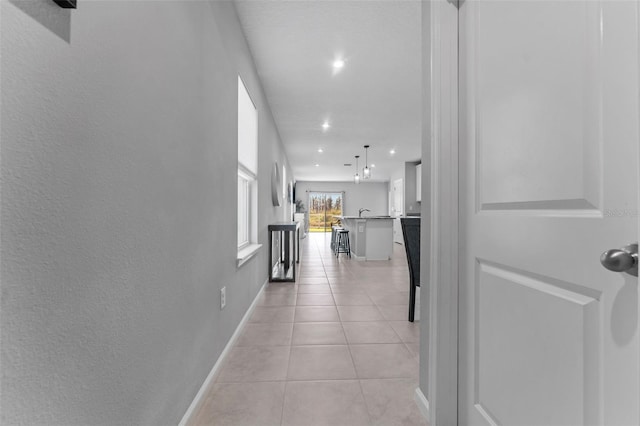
<point x="366" y="172"/>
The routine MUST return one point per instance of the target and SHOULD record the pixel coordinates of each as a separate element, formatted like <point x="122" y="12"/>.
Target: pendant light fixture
<point x="366" y="172"/>
<point x="356" y="177"/>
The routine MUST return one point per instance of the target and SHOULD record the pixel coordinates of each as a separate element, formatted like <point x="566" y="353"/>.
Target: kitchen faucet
<point x="362" y="210"/>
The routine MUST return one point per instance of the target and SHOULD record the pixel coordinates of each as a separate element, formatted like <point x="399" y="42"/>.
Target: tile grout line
<point x="342" y="273"/>
<point x="353" y="363"/>
<point x="349" y="345"/>
<point x="286" y="381"/>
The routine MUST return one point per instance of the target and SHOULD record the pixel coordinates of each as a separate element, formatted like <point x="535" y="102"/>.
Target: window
<point x="247" y="175"/>
<point x="244" y="208"/>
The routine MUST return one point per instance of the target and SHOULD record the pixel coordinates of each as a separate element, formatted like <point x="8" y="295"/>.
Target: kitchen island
<point x="371" y="238"/>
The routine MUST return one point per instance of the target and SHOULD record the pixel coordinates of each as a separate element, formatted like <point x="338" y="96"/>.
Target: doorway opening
<point x="324" y="209"/>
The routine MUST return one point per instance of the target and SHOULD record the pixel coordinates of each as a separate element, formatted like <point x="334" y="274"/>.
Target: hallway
<point x="334" y="348"/>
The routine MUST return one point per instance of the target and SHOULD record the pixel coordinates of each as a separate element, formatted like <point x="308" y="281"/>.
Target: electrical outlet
<point x="223" y="297"/>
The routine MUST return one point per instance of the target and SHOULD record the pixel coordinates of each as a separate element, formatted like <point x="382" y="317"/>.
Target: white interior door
<point x="548" y="106"/>
<point x="398" y="210"/>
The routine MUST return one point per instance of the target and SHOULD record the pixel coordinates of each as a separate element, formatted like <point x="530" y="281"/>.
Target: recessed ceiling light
<point x="393" y="151"/>
<point x="325" y="125"/>
<point x="320" y="150"/>
<point x="338" y="64"/>
<point x="317" y="165"/>
<point x="373" y="165"/>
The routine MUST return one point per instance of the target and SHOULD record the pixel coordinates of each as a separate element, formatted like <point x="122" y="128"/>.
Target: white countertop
<point x="365" y="217"/>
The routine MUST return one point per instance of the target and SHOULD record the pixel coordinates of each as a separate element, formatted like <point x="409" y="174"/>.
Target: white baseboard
<point x="423" y="403"/>
<point x="199" y="398"/>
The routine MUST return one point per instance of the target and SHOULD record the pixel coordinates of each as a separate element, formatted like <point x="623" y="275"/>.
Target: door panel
<point x="549" y="180"/>
<point x="553" y="326"/>
<point x="534" y="124"/>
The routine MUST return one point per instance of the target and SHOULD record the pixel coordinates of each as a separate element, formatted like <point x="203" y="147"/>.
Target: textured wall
<point x="118" y="167"/>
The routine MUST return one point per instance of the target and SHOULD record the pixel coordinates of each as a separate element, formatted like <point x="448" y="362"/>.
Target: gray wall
<point x="118" y="173"/>
<point x="369" y="195"/>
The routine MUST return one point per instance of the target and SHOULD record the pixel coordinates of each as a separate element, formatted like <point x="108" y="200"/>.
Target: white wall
<point x="411" y="205"/>
<point x="370" y="195"/>
<point x="425" y="204"/>
<point x="118" y="168"/>
<point x="407" y="172"/>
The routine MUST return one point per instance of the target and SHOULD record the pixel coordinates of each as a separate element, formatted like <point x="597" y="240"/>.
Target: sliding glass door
<point x="324" y="209"/>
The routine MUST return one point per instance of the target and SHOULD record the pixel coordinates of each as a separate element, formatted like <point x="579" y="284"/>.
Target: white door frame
<point x="442" y="154"/>
<point x="442" y="392"/>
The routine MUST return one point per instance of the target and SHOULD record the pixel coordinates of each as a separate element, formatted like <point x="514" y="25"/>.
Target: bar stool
<point x="342" y="242"/>
<point x="334" y="237"/>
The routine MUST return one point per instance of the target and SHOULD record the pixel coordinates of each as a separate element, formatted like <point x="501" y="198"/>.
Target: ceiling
<point x="373" y="100"/>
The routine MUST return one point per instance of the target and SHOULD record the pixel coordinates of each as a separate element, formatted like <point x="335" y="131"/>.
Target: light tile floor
<point x="335" y="348"/>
